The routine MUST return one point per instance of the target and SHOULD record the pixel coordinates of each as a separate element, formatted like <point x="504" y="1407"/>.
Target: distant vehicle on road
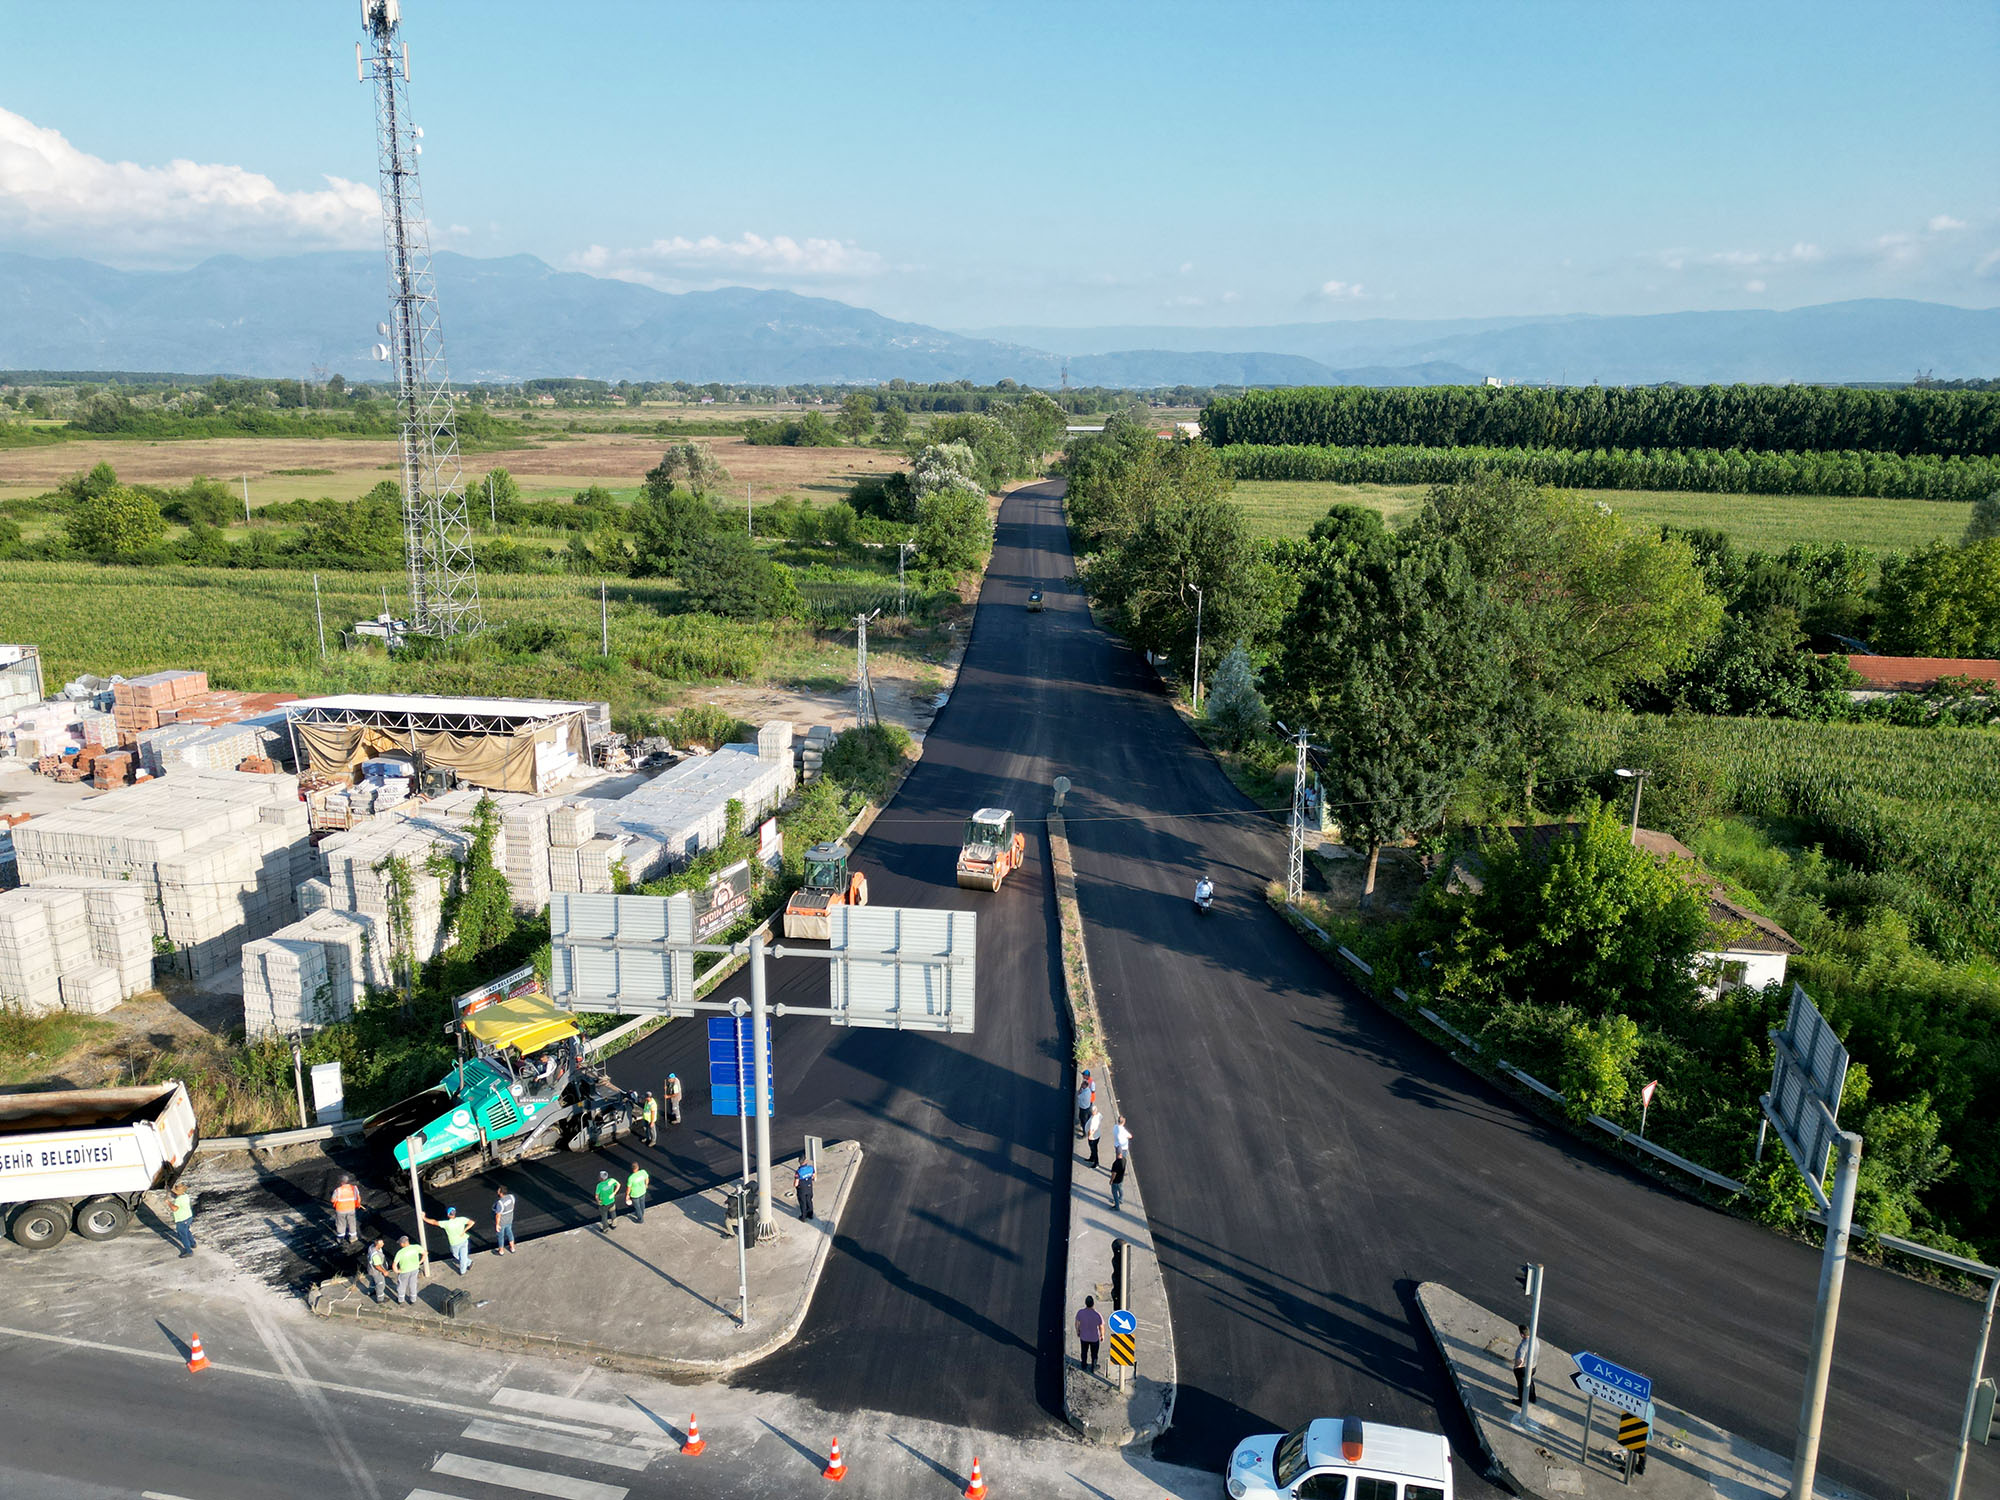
<point x="82" y="1158"/>
<point x="1342" y="1459"/>
<point x="1035" y="601"/>
<point x="993" y="849"/>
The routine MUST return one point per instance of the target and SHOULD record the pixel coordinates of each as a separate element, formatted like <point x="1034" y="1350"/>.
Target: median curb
<point x="1092" y="1404"/>
<point x="342" y="1297"/>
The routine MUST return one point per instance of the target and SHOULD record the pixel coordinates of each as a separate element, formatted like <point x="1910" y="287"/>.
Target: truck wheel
<point x="103" y="1219"/>
<point x="39" y="1225"/>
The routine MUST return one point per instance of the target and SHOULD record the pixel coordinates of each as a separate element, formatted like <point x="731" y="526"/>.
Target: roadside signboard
<point x="729" y="1059"/>
<point x="770" y="843"/>
<point x="1612" y="1384"/>
<point x="903" y="968"/>
<point x="1123" y="1322"/>
<point x="721" y="902"/>
<point x="1634" y="1429"/>
<point x="625" y="955"/>
<point x="1808" y="1073"/>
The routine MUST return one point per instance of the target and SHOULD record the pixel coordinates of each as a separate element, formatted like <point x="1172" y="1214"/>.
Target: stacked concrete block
<point x="91" y="991"/>
<point x="595" y="865"/>
<point x="809" y="753"/>
<point x="67" y="913"/>
<point x="685" y="809"/>
<point x="29" y="979"/>
<point x="524" y="824"/>
<point x="358" y="881"/>
<point x="285" y="987"/>
<point x="121" y="937"/>
<point x="201" y="747"/>
<point x="314" y="895"/>
<point x="572" y="824"/>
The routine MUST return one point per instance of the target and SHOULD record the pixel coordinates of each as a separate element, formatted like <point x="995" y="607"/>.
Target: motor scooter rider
<point x="1204" y="892"/>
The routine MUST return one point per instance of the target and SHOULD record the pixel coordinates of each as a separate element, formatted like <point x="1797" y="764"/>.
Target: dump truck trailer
<point x="83" y="1158"/>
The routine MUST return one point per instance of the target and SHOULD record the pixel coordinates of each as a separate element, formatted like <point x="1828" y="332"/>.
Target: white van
<point x="1343" y="1459"/>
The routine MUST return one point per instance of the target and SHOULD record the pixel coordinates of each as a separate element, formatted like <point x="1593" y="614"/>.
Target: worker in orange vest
<point x="346" y="1208"/>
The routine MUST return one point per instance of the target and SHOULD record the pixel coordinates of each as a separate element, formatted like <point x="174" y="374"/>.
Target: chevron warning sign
<point x="1632" y="1435"/>
<point x="1121" y="1349"/>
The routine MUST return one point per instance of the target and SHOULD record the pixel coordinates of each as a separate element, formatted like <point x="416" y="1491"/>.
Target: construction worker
<point x="183" y="1220"/>
<point x="673" y="1098"/>
<point x="503" y="1223"/>
<point x="346" y="1205"/>
<point x="607" y="1202"/>
<point x="409" y="1260"/>
<point x="803" y="1175"/>
<point x="457" y="1237"/>
<point x="651" y="1113"/>
<point x="378" y="1268"/>
<point x="635" y="1192"/>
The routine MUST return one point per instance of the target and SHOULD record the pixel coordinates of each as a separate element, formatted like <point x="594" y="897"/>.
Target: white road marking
<point x="429" y="1495"/>
<point x="597" y="1451"/>
<point x="373" y="1393"/>
<point x="534" y="1481"/>
<point x="279" y="1345"/>
<point x="630" y="1417"/>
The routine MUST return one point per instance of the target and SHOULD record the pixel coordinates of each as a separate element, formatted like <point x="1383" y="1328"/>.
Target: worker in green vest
<point x="457" y="1237"/>
<point x="409" y="1260"/>
<point x="183" y="1220"/>
<point x="652" y="1117"/>
<point x="607" y="1202"/>
<point x="635" y="1191"/>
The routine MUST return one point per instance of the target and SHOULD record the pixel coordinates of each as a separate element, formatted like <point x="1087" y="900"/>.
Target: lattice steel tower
<point x="437" y="536"/>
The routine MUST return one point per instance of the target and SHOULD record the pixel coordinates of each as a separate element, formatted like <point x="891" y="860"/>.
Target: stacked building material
<point x="68" y="916"/>
<point x="285" y="986"/>
<point x="812" y="750"/>
<point x="200" y="746"/>
<point x="91" y="991"/>
<point x="314" y="895"/>
<point x="29" y="979"/>
<point x="121" y="937"/>
<point x="572" y="824"/>
<point x="685" y="809"/>
<point x="142" y="703"/>
<point x="524" y="825"/>
<point x="359" y="878"/>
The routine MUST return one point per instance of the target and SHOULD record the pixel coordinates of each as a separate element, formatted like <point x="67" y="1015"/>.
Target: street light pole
<point x="1638" y="780"/>
<point x="1197" y="650"/>
<point x="760" y="1049"/>
<point x="1832" y="1273"/>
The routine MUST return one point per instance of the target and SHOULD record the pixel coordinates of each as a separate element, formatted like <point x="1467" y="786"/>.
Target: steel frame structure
<point x="437" y="535"/>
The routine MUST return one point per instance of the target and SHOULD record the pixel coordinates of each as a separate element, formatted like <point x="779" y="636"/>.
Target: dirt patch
<point x="1399" y="880"/>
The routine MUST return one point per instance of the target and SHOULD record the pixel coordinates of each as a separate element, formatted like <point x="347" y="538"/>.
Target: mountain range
<point x="514" y="318"/>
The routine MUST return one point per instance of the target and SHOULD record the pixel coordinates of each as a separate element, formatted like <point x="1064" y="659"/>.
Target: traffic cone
<point x="694" y="1444"/>
<point x="975" y="1489"/>
<point x="836" y="1466"/>
<point x="196" y="1359"/>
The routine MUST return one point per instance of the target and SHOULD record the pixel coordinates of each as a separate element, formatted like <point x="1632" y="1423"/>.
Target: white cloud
<point x="679" y="262"/>
<point x="1341" y="290"/>
<point x="1753" y="286"/>
<point x="1945" y="223"/>
<point x="54" y="196"/>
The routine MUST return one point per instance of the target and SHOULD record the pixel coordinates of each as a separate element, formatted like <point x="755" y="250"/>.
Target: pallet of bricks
<point x="313" y="972"/>
<point x="359" y="877"/>
<point x="218" y="855"/>
<point x="142" y="703"/>
<point x="69" y="949"/>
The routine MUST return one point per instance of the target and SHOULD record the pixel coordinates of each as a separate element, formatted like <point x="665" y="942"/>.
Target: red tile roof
<point x="1914" y="674"/>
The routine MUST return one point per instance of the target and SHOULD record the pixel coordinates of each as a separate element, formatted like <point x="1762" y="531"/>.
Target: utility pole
<point x="1295" y="862"/>
<point x="1638" y="780"/>
<point x="749" y="516"/>
<point x="760" y="1049"/>
<point x="492" y="509"/>
<point x="903" y="549"/>
<point x="1530" y="1277"/>
<point x="864" y="690"/>
<point x="603" y="620"/>
<point x="1197" y="650"/>
<point x="319" y="615"/>
<point x="1832" y="1273"/>
<point x="246" y="500"/>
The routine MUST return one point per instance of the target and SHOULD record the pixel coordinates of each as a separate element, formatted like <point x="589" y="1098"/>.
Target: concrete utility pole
<point x="492" y="509"/>
<point x="1638" y="780"/>
<point x="246" y="500"/>
<point x="1197" y="649"/>
<point x="319" y="614"/>
<point x="903" y="549"/>
<point x="1832" y="1273"/>
<point x="603" y="620"/>
<point x="760" y="1049"/>
<point x="749" y="515"/>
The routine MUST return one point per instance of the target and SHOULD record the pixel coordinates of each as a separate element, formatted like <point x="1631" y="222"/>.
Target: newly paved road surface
<point x="1306" y="1158"/>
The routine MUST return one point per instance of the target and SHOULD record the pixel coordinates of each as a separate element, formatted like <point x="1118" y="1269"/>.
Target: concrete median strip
<point x="658" y="1297"/>
<point x="1092" y="1402"/>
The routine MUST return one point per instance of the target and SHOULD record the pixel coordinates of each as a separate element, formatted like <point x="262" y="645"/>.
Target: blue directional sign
<point x="1630" y="1383"/>
<point x="731" y="1064"/>
<point x="1123" y="1322"/>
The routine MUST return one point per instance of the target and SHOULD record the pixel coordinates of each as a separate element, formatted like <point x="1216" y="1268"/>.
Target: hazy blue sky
<point x="975" y="164"/>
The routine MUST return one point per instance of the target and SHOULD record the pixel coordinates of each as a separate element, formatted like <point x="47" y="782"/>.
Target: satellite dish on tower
<point x="383" y="329"/>
<point x="380" y="351"/>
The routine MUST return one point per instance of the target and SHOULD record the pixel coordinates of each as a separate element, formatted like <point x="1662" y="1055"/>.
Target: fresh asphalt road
<point x="1307" y="1159"/>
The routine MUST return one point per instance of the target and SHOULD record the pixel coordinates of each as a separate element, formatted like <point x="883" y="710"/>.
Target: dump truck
<point x="524" y="1087"/>
<point x="83" y="1158"/>
<point x="828" y="884"/>
<point x="992" y="850"/>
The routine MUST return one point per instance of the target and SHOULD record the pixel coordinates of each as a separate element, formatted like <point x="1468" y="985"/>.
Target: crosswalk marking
<point x="429" y="1495"/>
<point x="630" y="1417"/>
<point x="605" y="1452"/>
<point x="534" y="1481"/>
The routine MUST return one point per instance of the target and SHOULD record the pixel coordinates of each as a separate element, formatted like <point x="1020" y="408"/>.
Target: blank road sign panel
<point x="903" y="968"/>
<point x="1808" y="1069"/>
<point x="625" y="954"/>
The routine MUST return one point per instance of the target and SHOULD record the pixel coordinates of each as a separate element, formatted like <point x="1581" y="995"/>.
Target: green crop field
<point x="1286" y="508"/>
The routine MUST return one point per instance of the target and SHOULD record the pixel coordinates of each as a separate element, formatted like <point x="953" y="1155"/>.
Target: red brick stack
<point x="137" y="704"/>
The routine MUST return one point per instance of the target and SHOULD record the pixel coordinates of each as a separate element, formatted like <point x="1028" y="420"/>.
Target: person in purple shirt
<point x="1089" y="1332"/>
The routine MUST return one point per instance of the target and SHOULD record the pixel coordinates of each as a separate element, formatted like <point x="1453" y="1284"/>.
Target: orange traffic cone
<point x="975" y="1489"/>
<point x="694" y="1444"/>
<point x="196" y="1359"/>
<point x="836" y="1467"/>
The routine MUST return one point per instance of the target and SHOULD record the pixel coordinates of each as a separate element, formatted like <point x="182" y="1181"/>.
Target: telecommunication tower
<point x="437" y="536"/>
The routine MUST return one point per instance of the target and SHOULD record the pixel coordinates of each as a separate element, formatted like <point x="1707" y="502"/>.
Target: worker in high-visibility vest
<point x="457" y="1237"/>
<point x="378" y="1268"/>
<point x="635" y="1192"/>
<point x="409" y="1260"/>
<point x="651" y="1114"/>
<point x="673" y="1098"/>
<point x="606" y="1193"/>
<point x="346" y="1208"/>
<point x="183" y="1220"/>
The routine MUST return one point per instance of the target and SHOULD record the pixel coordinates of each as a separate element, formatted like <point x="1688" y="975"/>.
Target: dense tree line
<point x="1731" y="471"/>
<point x="1760" y="418"/>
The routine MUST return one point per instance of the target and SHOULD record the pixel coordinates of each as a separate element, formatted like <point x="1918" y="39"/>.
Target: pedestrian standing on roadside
<point x="346" y="1205"/>
<point x="378" y="1268"/>
<point x="607" y="1202"/>
<point x="635" y="1192"/>
<point x="1523" y="1377"/>
<point x="1093" y="1131"/>
<point x="1121" y="1141"/>
<point x="1086" y="1100"/>
<point x="1117" y="1181"/>
<point x="503" y="1223"/>
<point x="673" y="1092"/>
<point x="1089" y="1332"/>
<point x="409" y="1260"/>
<point x="652" y="1114"/>
<point x="803" y="1176"/>
<point x="457" y="1237"/>
<point x="183" y="1220"/>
